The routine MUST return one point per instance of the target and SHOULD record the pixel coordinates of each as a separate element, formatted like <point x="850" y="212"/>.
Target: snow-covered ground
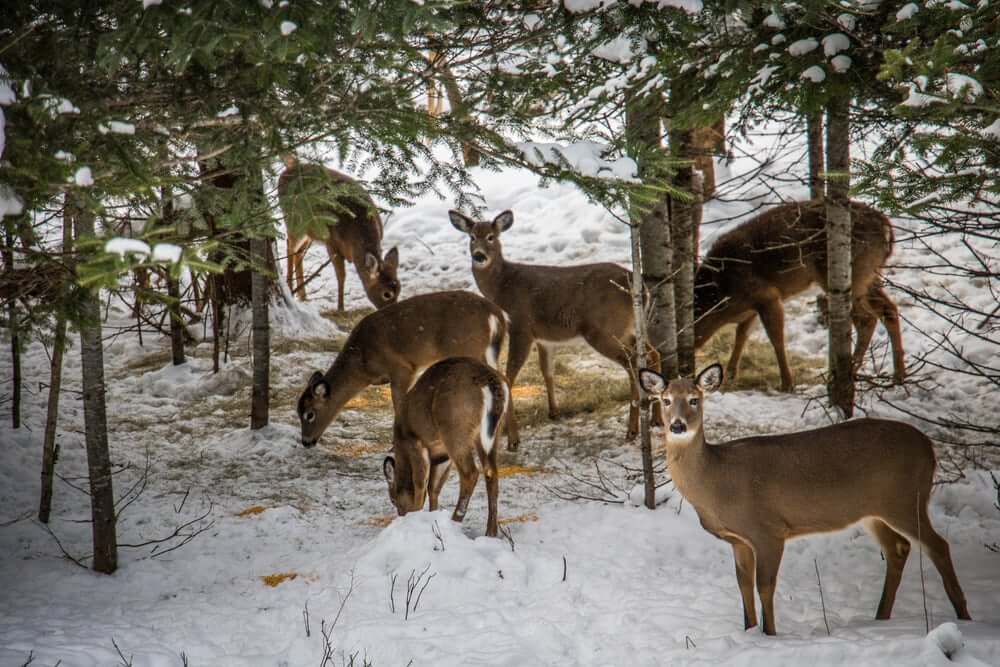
<point x="585" y="583"/>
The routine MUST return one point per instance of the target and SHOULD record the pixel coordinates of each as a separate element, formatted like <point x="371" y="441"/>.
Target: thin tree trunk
<point x="50" y="452"/>
<point x="682" y="231"/>
<point x="261" y="336"/>
<point x="102" y="498"/>
<point x="176" y="321"/>
<point x="814" y="138"/>
<point x="15" y="342"/>
<point x="838" y="248"/>
<point x="651" y="272"/>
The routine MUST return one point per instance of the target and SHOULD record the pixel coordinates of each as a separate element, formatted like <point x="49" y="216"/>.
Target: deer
<point x="758" y="492"/>
<point x="549" y="305"/>
<point x="750" y="270"/>
<point x="394" y="345"/>
<point x="450" y="416"/>
<point x="345" y="220"/>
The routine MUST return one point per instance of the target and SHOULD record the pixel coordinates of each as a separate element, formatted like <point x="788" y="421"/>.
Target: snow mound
<point x="193" y="380"/>
<point x="944" y="646"/>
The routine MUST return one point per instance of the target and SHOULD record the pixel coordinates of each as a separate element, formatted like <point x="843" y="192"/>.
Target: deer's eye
<point x="693" y="402"/>
<point x="309" y="416"/>
<point x="490" y="238"/>
<point x="666" y="402"/>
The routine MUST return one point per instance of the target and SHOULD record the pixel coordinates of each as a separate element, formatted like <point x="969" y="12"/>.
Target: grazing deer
<point x="554" y="304"/>
<point x="757" y="492"/>
<point x="350" y="227"/>
<point x="750" y="270"/>
<point x="395" y="345"/>
<point x="451" y="415"/>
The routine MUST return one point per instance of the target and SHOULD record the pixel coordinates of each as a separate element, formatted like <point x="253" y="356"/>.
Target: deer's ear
<point x="389" y="469"/>
<point x="371" y="264"/>
<point x="461" y="222"/>
<point x="710" y="379"/>
<point x="318" y="385"/>
<point x="652" y="381"/>
<point x="503" y="221"/>
<point x="391" y="259"/>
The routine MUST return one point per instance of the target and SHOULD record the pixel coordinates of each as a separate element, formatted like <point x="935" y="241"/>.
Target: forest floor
<point x="289" y="546"/>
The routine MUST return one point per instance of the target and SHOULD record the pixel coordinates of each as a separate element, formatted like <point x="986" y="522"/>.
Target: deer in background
<point x="753" y="268"/>
<point x="351" y="226"/>
<point x="450" y="416"/>
<point x="395" y="345"/>
<point x="548" y="305"/>
<point x="757" y="492"/>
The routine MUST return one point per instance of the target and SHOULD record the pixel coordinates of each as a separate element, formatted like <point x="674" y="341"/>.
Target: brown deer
<point x="451" y="415"/>
<point x="548" y="305"/>
<point x="752" y="269"/>
<point x="395" y="345"/>
<point x="757" y="492"/>
<point x="336" y="211"/>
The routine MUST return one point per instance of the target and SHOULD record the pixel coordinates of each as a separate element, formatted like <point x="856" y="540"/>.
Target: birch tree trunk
<point x="102" y="499"/>
<point x="814" y="140"/>
<point x="838" y="247"/>
<point x="259" y="403"/>
<point x="50" y="451"/>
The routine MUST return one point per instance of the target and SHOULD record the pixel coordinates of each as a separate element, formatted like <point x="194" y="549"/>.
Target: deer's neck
<point x="690" y="462"/>
<point x="347" y="378"/>
<point x="490" y="279"/>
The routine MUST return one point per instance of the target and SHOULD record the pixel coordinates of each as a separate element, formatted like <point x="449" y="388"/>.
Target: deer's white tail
<point x="495" y="400"/>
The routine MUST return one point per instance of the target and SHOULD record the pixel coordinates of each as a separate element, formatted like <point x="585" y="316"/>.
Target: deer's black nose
<point x="678" y="427"/>
<point x="479" y="257"/>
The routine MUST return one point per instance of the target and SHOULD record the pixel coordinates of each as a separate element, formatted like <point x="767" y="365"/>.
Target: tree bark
<point x="15" y="342"/>
<point x="814" y="139"/>
<point x="683" y="231"/>
<point x="176" y="321"/>
<point x="261" y="336"/>
<point x="50" y="452"/>
<point x="838" y="247"/>
<point x="102" y="499"/>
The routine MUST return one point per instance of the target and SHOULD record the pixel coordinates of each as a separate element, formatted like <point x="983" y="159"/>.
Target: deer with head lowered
<point x="395" y="345"/>
<point x="548" y="305"/>
<point x="757" y="492"/>
<point x="450" y="416"/>
<point x="334" y="209"/>
<point x="752" y="269"/>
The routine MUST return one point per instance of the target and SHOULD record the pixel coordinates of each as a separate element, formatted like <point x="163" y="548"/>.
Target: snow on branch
<point x="587" y="158"/>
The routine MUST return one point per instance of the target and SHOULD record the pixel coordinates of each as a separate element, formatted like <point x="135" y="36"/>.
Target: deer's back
<point x="424" y="329"/>
<point x="785" y="247"/>
<point x="448" y="395"/>
<point x="562" y="302"/>
<point x="827" y="478"/>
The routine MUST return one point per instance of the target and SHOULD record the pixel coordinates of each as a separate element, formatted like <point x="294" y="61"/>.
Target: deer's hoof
<point x="553" y="414"/>
<point x="631" y="435"/>
<point x="512" y="445"/>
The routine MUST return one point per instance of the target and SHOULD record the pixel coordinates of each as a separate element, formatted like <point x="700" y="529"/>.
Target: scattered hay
<point x="283" y="345"/>
<point x="758" y="367"/>
<point x="515" y="469"/>
<point x="381" y="521"/>
<point x="348" y="319"/>
<point x="372" y="398"/>
<point x="278" y="578"/>
<point x="253" y="510"/>
<point x="528" y="391"/>
<point x="356" y="449"/>
<point x="530" y="517"/>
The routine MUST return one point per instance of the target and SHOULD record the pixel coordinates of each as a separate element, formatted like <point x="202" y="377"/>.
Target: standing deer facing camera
<point x="336" y="211"/>
<point x="450" y="416"/>
<point x="554" y="304"/>
<point x="757" y="492"/>
<point x="750" y="270"/>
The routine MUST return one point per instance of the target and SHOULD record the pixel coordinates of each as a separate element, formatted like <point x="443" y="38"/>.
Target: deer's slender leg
<point x="610" y="347"/>
<point x="743" y="555"/>
<point x="468" y="475"/>
<point x="772" y="316"/>
<point x="439" y="475"/>
<point x="743" y="328"/>
<point x="768" y="553"/>
<point x="520" y="346"/>
<point x="895" y="549"/>
<point x="492" y="490"/>
<point x="545" y="362"/>
<point x="886" y="310"/>
<point x="341" y="271"/>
